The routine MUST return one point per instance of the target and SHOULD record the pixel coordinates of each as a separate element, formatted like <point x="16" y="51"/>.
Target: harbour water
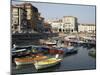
<point x="79" y="61"/>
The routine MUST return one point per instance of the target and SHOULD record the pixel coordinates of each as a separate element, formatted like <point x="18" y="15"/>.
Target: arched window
<point x="63" y="30"/>
<point x="60" y="30"/>
<point x="72" y="30"/>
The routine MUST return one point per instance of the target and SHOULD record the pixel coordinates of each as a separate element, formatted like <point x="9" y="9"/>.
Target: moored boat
<point x="49" y="62"/>
<point x="68" y="50"/>
<point x="21" y="51"/>
<point x="71" y="50"/>
<point x="28" y="60"/>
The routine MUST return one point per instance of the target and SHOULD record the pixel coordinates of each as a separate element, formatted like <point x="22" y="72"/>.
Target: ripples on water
<point x="79" y="61"/>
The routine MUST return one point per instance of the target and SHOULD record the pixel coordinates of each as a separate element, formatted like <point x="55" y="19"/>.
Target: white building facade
<point x="90" y="28"/>
<point x="67" y="24"/>
<point x="57" y="27"/>
<point x="70" y="23"/>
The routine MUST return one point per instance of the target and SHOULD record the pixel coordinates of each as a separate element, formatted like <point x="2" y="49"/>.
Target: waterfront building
<point x="34" y="22"/>
<point x="18" y="17"/>
<point x="39" y="27"/>
<point x="70" y="23"/>
<point x="32" y="14"/>
<point x="57" y="27"/>
<point x="66" y="24"/>
<point x="89" y="28"/>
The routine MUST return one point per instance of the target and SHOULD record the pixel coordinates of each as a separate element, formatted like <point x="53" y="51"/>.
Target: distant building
<point x="90" y="28"/>
<point x="18" y="17"/>
<point x="66" y="24"/>
<point x="70" y="23"/>
<point x="57" y="27"/>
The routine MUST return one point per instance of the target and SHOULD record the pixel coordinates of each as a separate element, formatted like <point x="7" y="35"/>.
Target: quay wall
<point x="22" y="38"/>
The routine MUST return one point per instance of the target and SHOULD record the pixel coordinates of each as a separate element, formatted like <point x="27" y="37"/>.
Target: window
<point x="15" y="21"/>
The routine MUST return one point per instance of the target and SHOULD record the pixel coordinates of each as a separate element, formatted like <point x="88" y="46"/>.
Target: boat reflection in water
<point x="19" y="67"/>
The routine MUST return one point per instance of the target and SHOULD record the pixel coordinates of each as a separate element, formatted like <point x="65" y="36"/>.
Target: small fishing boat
<point x="71" y="50"/>
<point x="21" y="51"/>
<point x="54" y="50"/>
<point x="49" y="62"/>
<point x="29" y="59"/>
<point x="68" y="50"/>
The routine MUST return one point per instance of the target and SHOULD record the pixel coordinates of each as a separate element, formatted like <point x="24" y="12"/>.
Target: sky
<point x="84" y="13"/>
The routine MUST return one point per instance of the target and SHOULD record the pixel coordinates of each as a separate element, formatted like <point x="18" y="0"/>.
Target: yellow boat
<point x="47" y="63"/>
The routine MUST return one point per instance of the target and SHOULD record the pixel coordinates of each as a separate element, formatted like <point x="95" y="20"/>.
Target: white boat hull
<point x="37" y="66"/>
